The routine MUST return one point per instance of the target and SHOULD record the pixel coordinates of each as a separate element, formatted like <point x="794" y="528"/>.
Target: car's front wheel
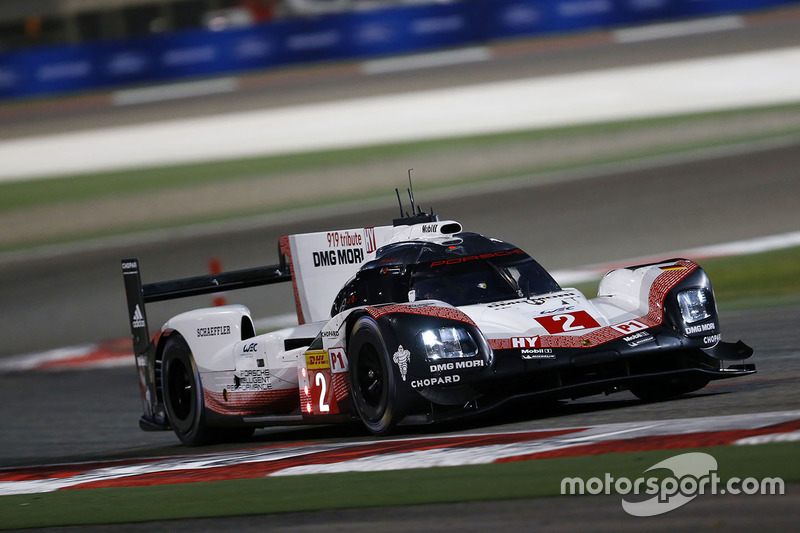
<point x="372" y="379"/>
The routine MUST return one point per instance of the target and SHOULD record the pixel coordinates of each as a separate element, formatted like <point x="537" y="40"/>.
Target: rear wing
<point x="138" y="294"/>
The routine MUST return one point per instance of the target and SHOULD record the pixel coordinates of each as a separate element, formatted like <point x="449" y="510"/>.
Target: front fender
<point x="442" y="380"/>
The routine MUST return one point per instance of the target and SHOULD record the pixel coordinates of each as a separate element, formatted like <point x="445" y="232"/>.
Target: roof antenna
<point x="417" y="216"/>
<point x="411" y="192"/>
<point x="399" y="201"/>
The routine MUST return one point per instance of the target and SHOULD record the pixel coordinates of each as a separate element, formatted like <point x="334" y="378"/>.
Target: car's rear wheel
<point x="372" y="379"/>
<point x="656" y="390"/>
<point x="183" y="394"/>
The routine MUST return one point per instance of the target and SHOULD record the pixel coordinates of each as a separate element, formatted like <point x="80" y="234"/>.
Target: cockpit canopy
<point x="469" y="269"/>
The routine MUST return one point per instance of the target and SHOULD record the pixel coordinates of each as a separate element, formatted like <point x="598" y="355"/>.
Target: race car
<point x="418" y="322"/>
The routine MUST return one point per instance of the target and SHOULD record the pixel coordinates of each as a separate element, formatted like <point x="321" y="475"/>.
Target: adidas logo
<point x="138" y="318"/>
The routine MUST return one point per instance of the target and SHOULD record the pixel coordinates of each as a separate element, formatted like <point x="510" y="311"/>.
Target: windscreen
<point x="476" y="279"/>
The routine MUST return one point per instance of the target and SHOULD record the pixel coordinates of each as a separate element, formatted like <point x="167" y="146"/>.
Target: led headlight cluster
<point x="695" y="305"/>
<point x="448" y="343"/>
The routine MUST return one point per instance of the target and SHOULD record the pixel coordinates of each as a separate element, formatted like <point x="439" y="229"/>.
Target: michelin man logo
<point x="401" y="358"/>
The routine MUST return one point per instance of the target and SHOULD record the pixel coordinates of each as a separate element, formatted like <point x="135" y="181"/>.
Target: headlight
<point x="448" y="343"/>
<point x="695" y="305"/>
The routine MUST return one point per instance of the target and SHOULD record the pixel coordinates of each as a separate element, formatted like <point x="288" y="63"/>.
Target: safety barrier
<point x="398" y="30"/>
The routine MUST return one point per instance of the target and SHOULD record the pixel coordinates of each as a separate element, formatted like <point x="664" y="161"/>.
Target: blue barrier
<point x="398" y="30"/>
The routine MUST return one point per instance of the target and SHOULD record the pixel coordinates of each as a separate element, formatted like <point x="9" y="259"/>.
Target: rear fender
<point x="212" y="333"/>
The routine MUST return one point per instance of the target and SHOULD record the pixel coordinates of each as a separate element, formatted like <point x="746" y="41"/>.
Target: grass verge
<point x="526" y="479"/>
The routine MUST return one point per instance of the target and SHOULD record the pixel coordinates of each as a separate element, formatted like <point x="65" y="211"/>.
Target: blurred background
<point x="193" y="134"/>
<point x="181" y="131"/>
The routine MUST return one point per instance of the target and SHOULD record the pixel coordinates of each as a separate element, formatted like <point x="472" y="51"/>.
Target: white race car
<point x="419" y="322"/>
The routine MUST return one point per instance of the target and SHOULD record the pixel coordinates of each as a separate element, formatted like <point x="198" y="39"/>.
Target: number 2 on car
<point x="320" y="378"/>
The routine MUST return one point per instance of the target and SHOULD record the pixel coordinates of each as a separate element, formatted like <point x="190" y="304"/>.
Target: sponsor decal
<point x="430" y="382"/>
<point x="700" y="328"/>
<point x="344" y="256"/>
<point x="253" y="48"/>
<point x="339" y="362"/>
<point x="179" y="57"/>
<point x="456" y="365"/>
<point x="401" y="358"/>
<point x="430" y="228"/>
<point x="638" y="338"/>
<point x="503" y="305"/>
<point x="712" y="339"/>
<point x="313" y="41"/>
<point x="250" y="348"/>
<point x="66" y="70"/>
<point x="436" y="25"/>
<point x="317" y="359"/>
<point x="524" y="342"/>
<point x="253" y="380"/>
<point x="563" y="309"/>
<point x="127" y="63"/>
<point x="344" y="239"/>
<point x="581" y="8"/>
<point x="520" y="15"/>
<point x="631" y="326"/>
<point x="369" y="240"/>
<point x="138" y="318"/>
<point x="331" y="333"/>
<point x="564" y="323"/>
<point x="538" y="353"/>
<point x="457" y="260"/>
<point x="213" y="331"/>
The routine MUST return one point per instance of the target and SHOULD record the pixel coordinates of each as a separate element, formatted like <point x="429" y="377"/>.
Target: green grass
<point x="48" y="191"/>
<point x="526" y="479"/>
<point x="756" y="279"/>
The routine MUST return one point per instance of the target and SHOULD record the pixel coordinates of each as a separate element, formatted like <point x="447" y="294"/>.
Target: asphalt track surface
<point x="59" y="300"/>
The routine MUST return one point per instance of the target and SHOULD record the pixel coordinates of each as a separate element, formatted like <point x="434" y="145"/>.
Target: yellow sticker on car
<point x="317" y="359"/>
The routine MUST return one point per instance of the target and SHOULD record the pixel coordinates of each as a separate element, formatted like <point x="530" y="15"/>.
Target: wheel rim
<point x="371" y="377"/>
<point x="181" y="390"/>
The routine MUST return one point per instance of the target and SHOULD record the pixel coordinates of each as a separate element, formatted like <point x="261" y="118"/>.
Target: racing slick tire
<point x="656" y="390"/>
<point x="183" y="394"/>
<point x="372" y="379"/>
